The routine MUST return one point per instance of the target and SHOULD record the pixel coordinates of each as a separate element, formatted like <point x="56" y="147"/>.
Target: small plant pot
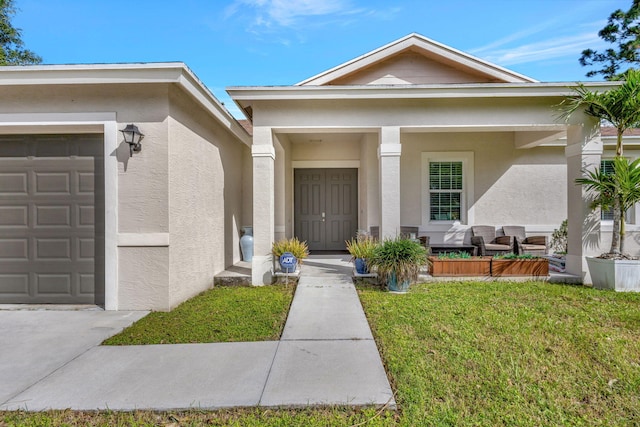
<point x="395" y="287"/>
<point x="361" y="266"/>
<point x="459" y="267"/>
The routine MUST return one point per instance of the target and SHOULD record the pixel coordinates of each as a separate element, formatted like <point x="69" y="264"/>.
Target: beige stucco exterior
<point x="176" y="208"/>
<point x="173" y="212"/>
<point x="390" y="111"/>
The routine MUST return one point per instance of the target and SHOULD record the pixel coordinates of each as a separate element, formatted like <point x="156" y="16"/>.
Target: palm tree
<point x="620" y="107"/>
<point x="623" y="184"/>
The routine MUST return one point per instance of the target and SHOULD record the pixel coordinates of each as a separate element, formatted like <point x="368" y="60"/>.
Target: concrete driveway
<point x="36" y="343"/>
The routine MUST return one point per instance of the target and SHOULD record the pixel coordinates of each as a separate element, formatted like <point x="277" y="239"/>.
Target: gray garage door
<point x="51" y="219"/>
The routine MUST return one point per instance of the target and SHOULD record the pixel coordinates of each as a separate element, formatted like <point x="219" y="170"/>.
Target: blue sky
<point x="281" y="42"/>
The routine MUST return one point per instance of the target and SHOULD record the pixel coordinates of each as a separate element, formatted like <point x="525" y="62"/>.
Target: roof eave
<point x="166" y="72"/>
<point x="480" y="90"/>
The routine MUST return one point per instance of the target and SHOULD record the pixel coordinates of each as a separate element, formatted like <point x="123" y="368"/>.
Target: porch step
<point x="236" y="275"/>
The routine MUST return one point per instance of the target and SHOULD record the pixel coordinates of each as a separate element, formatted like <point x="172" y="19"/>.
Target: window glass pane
<point x="445" y="184"/>
<point x="444" y="206"/>
<point x="606" y="166"/>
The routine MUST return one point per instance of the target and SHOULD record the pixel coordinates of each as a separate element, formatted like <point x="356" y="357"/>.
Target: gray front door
<point x="326" y="207"/>
<point x="51" y="219"/>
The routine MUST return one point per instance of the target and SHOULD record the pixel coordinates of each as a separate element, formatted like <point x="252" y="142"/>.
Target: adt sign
<point x="288" y="262"/>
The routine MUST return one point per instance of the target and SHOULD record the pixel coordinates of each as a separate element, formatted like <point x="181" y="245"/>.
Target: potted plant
<point x="293" y="246"/>
<point x="361" y="250"/>
<point x="615" y="269"/>
<point x="449" y="264"/>
<point x="398" y="262"/>
<point x="519" y="265"/>
<point x="620" y="107"/>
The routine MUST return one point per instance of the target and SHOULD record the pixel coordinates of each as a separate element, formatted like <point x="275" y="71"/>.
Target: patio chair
<point x="533" y="245"/>
<point x="485" y="239"/>
<point x="407" y="231"/>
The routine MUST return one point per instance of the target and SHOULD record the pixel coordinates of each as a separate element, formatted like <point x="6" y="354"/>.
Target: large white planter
<point x="618" y="274"/>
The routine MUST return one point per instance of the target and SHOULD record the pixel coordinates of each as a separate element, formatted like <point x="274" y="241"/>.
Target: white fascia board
<point x="428" y="45"/>
<point x="203" y="95"/>
<point x="90" y="74"/>
<point x="166" y="72"/>
<point x="483" y="90"/>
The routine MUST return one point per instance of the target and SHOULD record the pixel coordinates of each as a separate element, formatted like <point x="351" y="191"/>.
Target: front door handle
<point x="323" y="216"/>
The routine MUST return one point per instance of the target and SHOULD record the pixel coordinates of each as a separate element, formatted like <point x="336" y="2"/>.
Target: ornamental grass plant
<point x="298" y="248"/>
<point x="400" y="257"/>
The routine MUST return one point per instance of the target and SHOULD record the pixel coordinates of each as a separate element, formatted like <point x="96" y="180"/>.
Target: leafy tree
<point x="622" y="31"/>
<point x="619" y="106"/>
<point x="12" y="51"/>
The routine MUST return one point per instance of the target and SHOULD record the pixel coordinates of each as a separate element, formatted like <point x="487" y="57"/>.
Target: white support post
<point x="263" y="154"/>
<point x="389" y="161"/>
<point x="583" y="152"/>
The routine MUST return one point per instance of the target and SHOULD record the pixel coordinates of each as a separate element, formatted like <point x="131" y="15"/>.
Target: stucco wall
<point x="205" y="198"/>
<point x="144" y="278"/>
<point x="406" y="112"/>
<point x="511" y="186"/>
<point x="411" y="68"/>
<point x="336" y="147"/>
<point x="179" y="200"/>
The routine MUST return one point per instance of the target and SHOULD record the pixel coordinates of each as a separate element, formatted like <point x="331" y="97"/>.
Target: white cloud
<point x="515" y="48"/>
<point x="547" y="49"/>
<point x="288" y="13"/>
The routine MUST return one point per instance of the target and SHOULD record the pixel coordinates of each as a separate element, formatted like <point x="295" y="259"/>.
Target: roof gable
<point x="415" y="59"/>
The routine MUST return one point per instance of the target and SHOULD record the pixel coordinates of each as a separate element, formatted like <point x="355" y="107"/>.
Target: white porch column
<point x="583" y="152"/>
<point x="389" y="161"/>
<point x="264" y="155"/>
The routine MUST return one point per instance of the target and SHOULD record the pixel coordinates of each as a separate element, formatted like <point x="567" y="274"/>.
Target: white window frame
<point x="467" y="195"/>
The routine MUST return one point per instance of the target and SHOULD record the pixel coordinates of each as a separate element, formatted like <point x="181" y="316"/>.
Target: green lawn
<point x="501" y="353"/>
<point x="467" y="353"/>
<point x="221" y="314"/>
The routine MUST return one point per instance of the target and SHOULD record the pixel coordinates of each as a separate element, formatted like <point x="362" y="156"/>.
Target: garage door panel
<point x="51" y="218"/>
<point x="85" y="183"/>
<point x="53" y="182"/>
<point x="14" y="249"/>
<point x="53" y="249"/>
<point x="13" y="183"/>
<point x="86" y="216"/>
<point x="14" y="216"/>
<point x="53" y="284"/>
<point x="48" y="216"/>
<point x="86" y="249"/>
<point x="87" y="284"/>
<point x="16" y="285"/>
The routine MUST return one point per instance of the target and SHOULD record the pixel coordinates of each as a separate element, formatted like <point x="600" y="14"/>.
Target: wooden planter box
<point x="520" y="267"/>
<point x="449" y="267"/>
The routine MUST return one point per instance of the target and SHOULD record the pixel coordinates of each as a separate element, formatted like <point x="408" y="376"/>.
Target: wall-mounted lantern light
<point x="133" y="137"/>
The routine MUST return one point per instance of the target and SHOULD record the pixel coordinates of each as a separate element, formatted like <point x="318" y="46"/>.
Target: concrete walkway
<point x="327" y="355"/>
